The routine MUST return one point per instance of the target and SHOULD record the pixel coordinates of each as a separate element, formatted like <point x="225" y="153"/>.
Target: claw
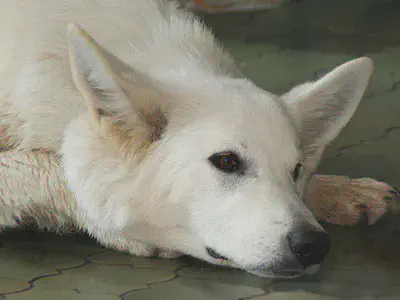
<point x="364" y="217"/>
<point x="395" y="192"/>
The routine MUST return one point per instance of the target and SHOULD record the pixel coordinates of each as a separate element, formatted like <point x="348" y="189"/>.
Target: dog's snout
<point x="309" y="246"/>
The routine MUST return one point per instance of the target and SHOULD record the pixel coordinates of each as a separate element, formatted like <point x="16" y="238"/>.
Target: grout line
<point x="150" y="285"/>
<point x="341" y="151"/>
<point x="31" y="285"/>
<point x="58" y="273"/>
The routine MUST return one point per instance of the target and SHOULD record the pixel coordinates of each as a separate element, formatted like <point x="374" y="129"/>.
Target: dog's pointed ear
<point x="323" y="108"/>
<point x="103" y="90"/>
<point x="93" y="75"/>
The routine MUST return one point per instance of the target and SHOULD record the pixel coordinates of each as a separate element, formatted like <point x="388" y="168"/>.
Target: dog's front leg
<point x="133" y="247"/>
<point x="120" y="242"/>
<point x="137" y="248"/>
<point x="32" y="189"/>
<point x="344" y="201"/>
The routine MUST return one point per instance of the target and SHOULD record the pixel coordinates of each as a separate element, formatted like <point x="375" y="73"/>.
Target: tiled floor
<point x="294" y="43"/>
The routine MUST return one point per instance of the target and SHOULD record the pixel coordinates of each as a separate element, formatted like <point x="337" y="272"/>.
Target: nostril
<point x="310" y="246"/>
<point x="215" y="254"/>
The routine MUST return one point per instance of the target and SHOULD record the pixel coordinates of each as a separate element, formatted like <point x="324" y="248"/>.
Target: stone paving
<point x="294" y="43"/>
<point x="364" y="264"/>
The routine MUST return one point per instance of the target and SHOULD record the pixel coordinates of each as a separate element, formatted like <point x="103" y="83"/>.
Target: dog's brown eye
<point x="296" y="172"/>
<point x="227" y="162"/>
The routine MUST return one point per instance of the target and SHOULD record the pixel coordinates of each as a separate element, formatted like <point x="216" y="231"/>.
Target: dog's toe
<point x="169" y="254"/>
<point x="364" y="198"/>
<point x="342" y="200"/>
<point x="137" y="248"/>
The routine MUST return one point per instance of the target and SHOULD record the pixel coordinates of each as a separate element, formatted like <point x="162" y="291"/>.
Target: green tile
<point x="377" y="159"/>
<point x="346" y="284"/>
<point x="194" y="289"/>
<point x="226" y="275"/>
<point x="107" y="279"/>
<point x="234" y="26"/>
<point x="40" y="294"/>
<point x="118" y="258"/>
<point x="32" y="260"/>
<point x="10" y="285"/>
<point x="298" y="296"/>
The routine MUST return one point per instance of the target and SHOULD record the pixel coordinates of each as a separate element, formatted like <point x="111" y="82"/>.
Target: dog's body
<point x="163" y="143"/>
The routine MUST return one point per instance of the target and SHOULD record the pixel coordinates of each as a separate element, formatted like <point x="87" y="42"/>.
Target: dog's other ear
<point x="323" y="108"/>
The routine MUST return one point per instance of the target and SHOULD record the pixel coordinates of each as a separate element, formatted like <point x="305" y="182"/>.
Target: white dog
<point x="164" y="144"/>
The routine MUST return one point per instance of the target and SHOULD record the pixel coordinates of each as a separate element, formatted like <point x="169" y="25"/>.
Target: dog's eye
<point x="296" y="172"/>
<point x="227" y="162"/>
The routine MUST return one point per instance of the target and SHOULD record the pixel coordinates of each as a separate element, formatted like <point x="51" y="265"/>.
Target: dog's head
<point x="215" y="169"/>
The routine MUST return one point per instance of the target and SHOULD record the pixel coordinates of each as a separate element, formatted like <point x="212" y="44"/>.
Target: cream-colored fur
<point x="134" y="97"/>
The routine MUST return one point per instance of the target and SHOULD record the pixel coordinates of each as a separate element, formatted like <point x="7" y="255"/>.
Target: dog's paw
<point x="136" y="248"/>
<point x="345" y="201"/>
<point x="168" y="254"/>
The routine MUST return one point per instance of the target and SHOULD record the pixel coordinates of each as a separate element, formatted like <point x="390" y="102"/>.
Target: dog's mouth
<point x="214" y="254"/>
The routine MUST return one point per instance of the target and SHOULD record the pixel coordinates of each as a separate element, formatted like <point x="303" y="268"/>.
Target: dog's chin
<point x="285" y="274"/>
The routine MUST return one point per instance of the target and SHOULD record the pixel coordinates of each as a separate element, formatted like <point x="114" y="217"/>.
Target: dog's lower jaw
<point x="312" y="269"/>
<point x="285" y="274"/>
<point x="273" y="275"/>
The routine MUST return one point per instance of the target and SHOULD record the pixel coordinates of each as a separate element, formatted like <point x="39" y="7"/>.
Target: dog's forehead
<point x="252" y="120"/>
<point x="266" y="125"/>
<point x="259" y="115"/>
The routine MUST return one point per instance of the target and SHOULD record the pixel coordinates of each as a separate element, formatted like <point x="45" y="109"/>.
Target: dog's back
<point x="39" y="98"/>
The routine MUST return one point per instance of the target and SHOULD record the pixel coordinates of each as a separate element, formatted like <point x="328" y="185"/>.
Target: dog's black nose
<point x="310" y="246"/>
